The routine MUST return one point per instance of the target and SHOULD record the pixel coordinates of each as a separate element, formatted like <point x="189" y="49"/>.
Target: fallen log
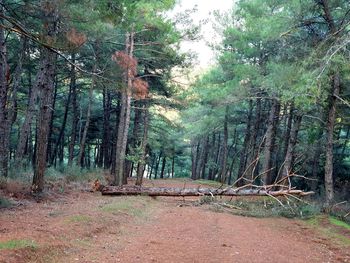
<point x="167" y="191"/>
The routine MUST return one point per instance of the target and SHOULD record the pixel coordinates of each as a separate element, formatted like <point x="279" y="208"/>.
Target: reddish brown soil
<point x="87" y="227"/>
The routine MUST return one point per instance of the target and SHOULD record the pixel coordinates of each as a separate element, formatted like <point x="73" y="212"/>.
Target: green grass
<point x="134" y="206"/>
<point x="335" y="221"/>
<point x="78" y="219"/>
<point x="329" y="231"/>
<point x="17" y="244"/>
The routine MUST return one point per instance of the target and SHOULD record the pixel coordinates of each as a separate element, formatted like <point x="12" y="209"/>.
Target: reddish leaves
<point x="76" y="38"/>
<point x="127" y="63"/>
<point x="129" y="66"/>
<point x="140" y="88"/>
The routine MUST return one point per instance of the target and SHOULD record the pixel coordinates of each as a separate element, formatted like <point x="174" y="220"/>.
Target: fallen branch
<point x="166" y="191"/>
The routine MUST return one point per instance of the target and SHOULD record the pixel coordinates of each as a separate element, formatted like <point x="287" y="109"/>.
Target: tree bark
<point x="328" y="177"/>
<point x="270" y="138"/>
<point x="4" y="88"/>
<point x="164" y="191"/>
<point x="288" y="160"/>
<point x="75" y="118"/>
<point x="163" y="168"/>
<point x="142" y="163"/>
<point x="225" y="149"/>
<point x="243" y="158"/>
<point x="87" y="122"/>
<point x="124" y="119"/>
<point x="60" y="138"/>
<point x="45" y="82"/>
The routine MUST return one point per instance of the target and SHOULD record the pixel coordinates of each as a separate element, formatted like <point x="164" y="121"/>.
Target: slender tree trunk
<point x="124" y="119"/>
<point x="288" y="160"/>
<point x="157" y="165"/>
<point x="4" y="88"/>
<point x="45" y="82"/>
<point x="212" y="158"/>
<point x="105" y="151"/>
<point x="328" y="178"/>
<point x="75" y="117"/>
<point x="173" y="167"/>
<point x="142" y="163"/>
<point x="270" y="138"/>
<point x="225" y="149"/>
<point x="243" y="157"/>
<point x="163" y="168"/>
<point x="87" y="123"/>
<point x="205" y="159"/>
<point x="194" y="159"/>
<point x="60" y="138"/>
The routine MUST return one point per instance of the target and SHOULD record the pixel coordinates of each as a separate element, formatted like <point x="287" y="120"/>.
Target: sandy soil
<point x="79" y="226"/>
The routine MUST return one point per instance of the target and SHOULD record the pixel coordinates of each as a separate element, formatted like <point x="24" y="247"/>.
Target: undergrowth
<point x="264" y="207"/>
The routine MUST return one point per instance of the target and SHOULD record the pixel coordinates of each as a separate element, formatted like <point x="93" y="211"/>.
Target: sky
<point x="205" y="9"/>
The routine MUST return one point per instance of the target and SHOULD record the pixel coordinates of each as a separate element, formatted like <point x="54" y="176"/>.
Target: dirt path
<point x="86" y="227"/>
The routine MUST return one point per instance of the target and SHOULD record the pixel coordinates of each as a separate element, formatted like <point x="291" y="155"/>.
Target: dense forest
<point x="99" y="85"/>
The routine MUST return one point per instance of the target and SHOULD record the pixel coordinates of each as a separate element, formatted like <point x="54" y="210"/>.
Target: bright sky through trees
<point x="205" y="9"/>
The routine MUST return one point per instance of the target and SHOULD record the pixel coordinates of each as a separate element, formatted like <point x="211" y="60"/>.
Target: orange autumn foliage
<point x="129" y="65"/>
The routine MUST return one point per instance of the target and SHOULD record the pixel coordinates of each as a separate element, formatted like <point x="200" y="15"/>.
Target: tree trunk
<point x="163" y="168"/>
<point x="157" y="165"/>
<point x="60" y="138"/>
<point x="87" y="122"/>
<point x="105" y="154"/>
<point x="328" y="177"/>
<point x="45" y="82"/>
<point x="124" y="117"/>
<point x="75" y="117"/>
<point x="4" y="88"/>
<point x="142" y="163"/>
<point x="164" y="191"/>
<point x="270" y="138"/>
<point x="253" y="155"/>
<point x="243" y="158"/>
<point x="225" y="149"/>
<point x="288" y="160"/>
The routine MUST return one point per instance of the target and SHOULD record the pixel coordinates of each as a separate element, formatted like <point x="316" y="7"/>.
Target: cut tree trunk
<point x="165" y="191"/>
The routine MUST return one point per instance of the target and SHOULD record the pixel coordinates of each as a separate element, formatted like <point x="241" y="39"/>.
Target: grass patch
<point x="17" y="244"/>
<point x="328" y="229"/>
<point x="335" y="221"/>
<point x="134" y="206"/>
<point x="78" y="219"/>
<point x="5" y="203"/>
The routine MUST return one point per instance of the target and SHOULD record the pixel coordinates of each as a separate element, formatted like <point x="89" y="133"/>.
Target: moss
<point x="17" y="244"/>
<point x="335" y="221"/>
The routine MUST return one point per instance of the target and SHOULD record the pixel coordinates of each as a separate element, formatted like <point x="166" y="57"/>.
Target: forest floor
<point x="74" y="225"/>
